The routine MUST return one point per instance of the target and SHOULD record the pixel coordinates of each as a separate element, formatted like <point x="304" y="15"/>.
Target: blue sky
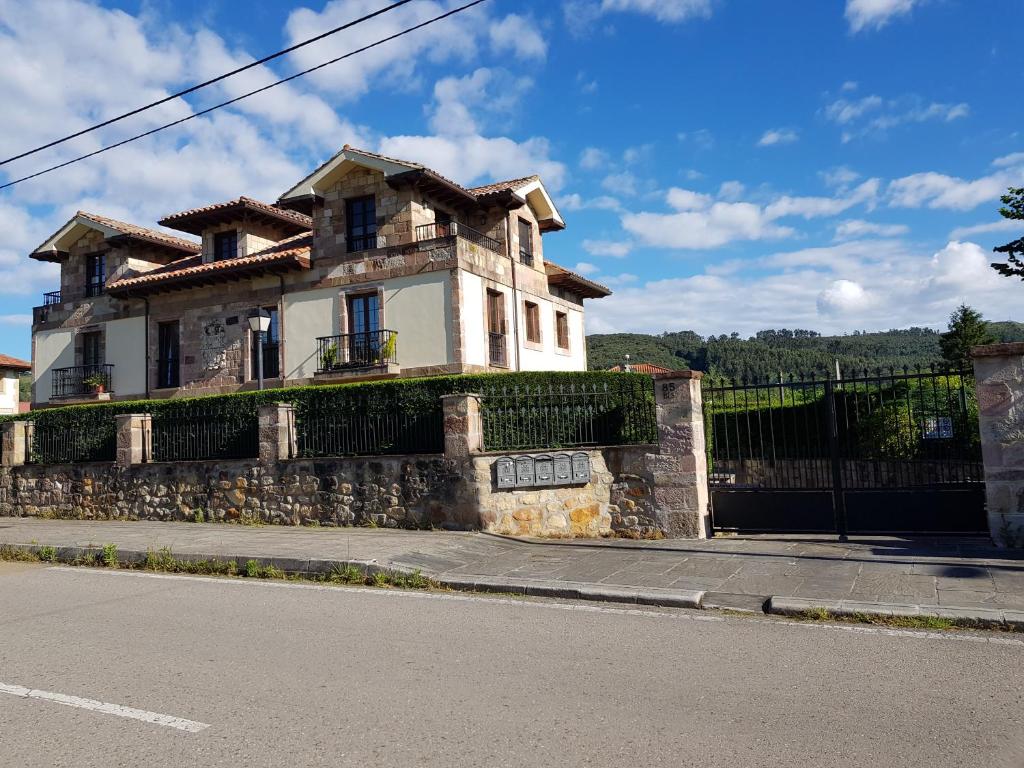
<point x="723" y="165"/>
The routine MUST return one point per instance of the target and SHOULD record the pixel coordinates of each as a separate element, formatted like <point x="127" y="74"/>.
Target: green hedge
<point x="93" y="426"/>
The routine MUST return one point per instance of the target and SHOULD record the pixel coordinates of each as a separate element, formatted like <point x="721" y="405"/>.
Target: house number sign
<point x="542" y="470"/>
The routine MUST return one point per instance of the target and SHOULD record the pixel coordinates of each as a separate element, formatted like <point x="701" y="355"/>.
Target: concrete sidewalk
<point x="928" y="575"/>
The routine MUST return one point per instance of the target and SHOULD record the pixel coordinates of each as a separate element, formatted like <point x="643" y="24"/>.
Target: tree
<point x="1013" y="208"/>
<point x="966" y="329"/>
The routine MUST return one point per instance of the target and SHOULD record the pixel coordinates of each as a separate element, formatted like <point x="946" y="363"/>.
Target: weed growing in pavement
<point x="198" y="516"/>
<point x="897" y="622"/>
<point x="109" y="555"/>
<point x="48" y="554"/>
<point x="16" y="554"/>
<point x="380" y="579"/>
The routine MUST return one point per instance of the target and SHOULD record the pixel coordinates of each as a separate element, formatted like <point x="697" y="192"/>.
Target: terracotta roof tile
<point x="559" y="274"/>
<point x="299" y="219"/>
<point x="137" y="231"/>
<point x="503" y="186"/>
<point x="6" y="361"/>
<point x="294" y="250"/>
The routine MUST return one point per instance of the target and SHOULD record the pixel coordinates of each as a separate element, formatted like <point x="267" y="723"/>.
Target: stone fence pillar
<point x="278" y="438"/>
<point x="999" y="377"/>
<point x="134" y="439"/>
<point x="463" y="426"/>
<point x="680" y="468"/>
<point x="15" y="437"/>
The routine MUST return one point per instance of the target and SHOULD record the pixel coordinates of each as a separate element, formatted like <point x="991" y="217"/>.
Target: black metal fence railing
<point x="56" y="444"/>
<point x="365" y="242"/>
<point x="368" y="426"/>
<point x="82" y="380"/>
<point x="356" y="350"/>
<point x="526" y="257"/>
<point x="205" y="434"/>
<point x="447" y="230"/>
<point x="535" y="418"/>
<point x="50" y="298"/>
<point x="497" y="349"/>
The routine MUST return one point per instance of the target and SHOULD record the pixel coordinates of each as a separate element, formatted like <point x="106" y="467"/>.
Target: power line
<point x="217" y="79"/>
<point x="194" y="115"/>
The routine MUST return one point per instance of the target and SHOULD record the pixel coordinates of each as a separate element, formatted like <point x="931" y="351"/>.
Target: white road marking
<point x="191" y="726"/>
<point x="914" y="634"/>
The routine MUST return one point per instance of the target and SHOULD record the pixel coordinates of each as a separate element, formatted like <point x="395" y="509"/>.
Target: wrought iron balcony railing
<point x="369" y="349"/>
<point x="51" y="298"/>
<point x="82" y="380"/>
<point x="448" y="230"/>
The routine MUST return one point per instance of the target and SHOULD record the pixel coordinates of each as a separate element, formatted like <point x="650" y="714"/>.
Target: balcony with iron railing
<point x="50" y="298"/>
<point x="356" y="351"/>
<point x="449" y="231"/>
<point x="82" y="381"/>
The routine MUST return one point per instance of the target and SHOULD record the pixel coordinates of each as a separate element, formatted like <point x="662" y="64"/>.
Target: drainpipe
<point x="515" y="292"/>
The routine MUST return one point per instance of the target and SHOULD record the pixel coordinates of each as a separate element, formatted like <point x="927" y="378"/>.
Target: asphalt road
<point x="116" y="668"/>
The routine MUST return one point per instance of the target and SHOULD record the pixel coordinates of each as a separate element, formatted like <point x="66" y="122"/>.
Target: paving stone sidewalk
<point x="962" y="573"/>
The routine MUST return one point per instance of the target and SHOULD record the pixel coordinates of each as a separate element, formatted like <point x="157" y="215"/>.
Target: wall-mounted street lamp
<point x="259" y="323"/>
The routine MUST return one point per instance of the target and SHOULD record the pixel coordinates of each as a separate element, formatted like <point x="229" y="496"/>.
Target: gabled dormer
<point x="93" y="250"/>
<point x="240" y="227"/>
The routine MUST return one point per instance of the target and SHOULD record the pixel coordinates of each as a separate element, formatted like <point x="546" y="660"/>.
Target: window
<point x="361" y="223"/>
<point x="364" y="341"/>
<point x="443" y="223"/>
<point x="95" y="273"/>
<point x="562" y="329"/>
<point x="225" y="245"/>
<point x="168" y="358"/>
<point x="271" y="347"/>
<point x="92" y="350"/>
<point x="496" y="348"/>
<point x="526" y="242"/>
<point x="532" y="322"/>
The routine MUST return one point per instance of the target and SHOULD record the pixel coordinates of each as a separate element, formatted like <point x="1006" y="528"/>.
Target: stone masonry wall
<point x="392" y="492"/>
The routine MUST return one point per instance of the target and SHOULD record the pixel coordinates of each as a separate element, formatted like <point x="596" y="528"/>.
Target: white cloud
<point x="624" y="183"/>
<point x="778" y="136"/>
<point x="842" y="297"/>
<point x="937" y="190"/>
<point x="520" y="35"/>
<point x="875" y="14"/>
<point x="662" y="10"/>
<point x="856" y="228"/>
<point x="849" y="85"/>
<point x="469" y="159"/>
<point x="1003" y="225"/>
<point x="731" y="191"/>
<point x="839" y="178"/>
<point x="702" y="139"/>
<point x="868" y="284"/>
<point x="813" y="207"/>
<point x="462" y="104"/>
<point x="873" y="115"/>
<point x="15" y="319"/>
<point x="615" y="249"/>
<point x="576" y="202"/>
<point x="586" y="268"/>
<point x="592" y="158"/>
<point x="687" y="200"/>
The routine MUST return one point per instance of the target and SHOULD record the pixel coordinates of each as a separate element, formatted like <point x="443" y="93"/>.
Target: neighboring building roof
<point x="526" y="189"/>
<point x="13" y="363"/>
<point x="561" y="277"/>
<point x="24" y="407"/>
<point x="195" y="220"/>
<point x="292" y="253"/>
<point x="642" y="368"/>
<point x="54" y="248"/>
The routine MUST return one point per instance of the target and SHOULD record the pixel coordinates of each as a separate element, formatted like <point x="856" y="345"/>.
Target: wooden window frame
<point x="531" y="319"/>
<point x="526" y="255"/>
<point x="562" y="324"/>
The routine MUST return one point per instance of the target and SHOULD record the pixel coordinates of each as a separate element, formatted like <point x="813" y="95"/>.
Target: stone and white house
<point x="11" y="370"/>
<point x="370" y="267"/>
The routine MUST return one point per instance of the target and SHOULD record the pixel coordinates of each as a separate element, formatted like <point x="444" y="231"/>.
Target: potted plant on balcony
<point x="387" y="350"/>
<point x="97" y="382"/>
<point x="329" y="358"/>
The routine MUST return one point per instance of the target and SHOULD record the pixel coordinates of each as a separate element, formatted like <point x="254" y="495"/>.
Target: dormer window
<point x="95" y="273"/>
<point x="225" y="245"/>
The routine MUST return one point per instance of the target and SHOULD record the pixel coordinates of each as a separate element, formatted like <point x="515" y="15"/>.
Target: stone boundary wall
<point x="999" y="378"/>
<point x="639" y="491"/>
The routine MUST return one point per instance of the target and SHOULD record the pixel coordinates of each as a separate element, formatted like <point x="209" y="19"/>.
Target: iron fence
<point x="82" y="380"/>
<point x="50" y="298"/>
<point x="57" y="444"/>
<point x="356" y="350"/>
<point x="449" y="230"/>
<point x="528" y="418"/>
<point x="363" y="425"/>
<point x="204" y="434"/>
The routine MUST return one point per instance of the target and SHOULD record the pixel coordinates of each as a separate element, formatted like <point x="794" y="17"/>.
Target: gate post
<point x="999" y="378"/>
<point x="277" y="438"/>
<point x="15" y="446"/>
<point x="680" y="468"/>
<point x="134" y="438"/>
<point x="838" y="497"/>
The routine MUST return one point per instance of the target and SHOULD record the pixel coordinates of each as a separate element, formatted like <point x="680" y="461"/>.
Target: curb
<point x="668" y="598"/>
<point x="980" y="617"/>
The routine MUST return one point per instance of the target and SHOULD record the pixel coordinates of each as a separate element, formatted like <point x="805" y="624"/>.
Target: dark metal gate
<point x="895" y="452"/>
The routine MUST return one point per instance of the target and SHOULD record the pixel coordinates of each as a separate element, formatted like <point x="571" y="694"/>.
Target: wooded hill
<point x="771" y="352"/>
